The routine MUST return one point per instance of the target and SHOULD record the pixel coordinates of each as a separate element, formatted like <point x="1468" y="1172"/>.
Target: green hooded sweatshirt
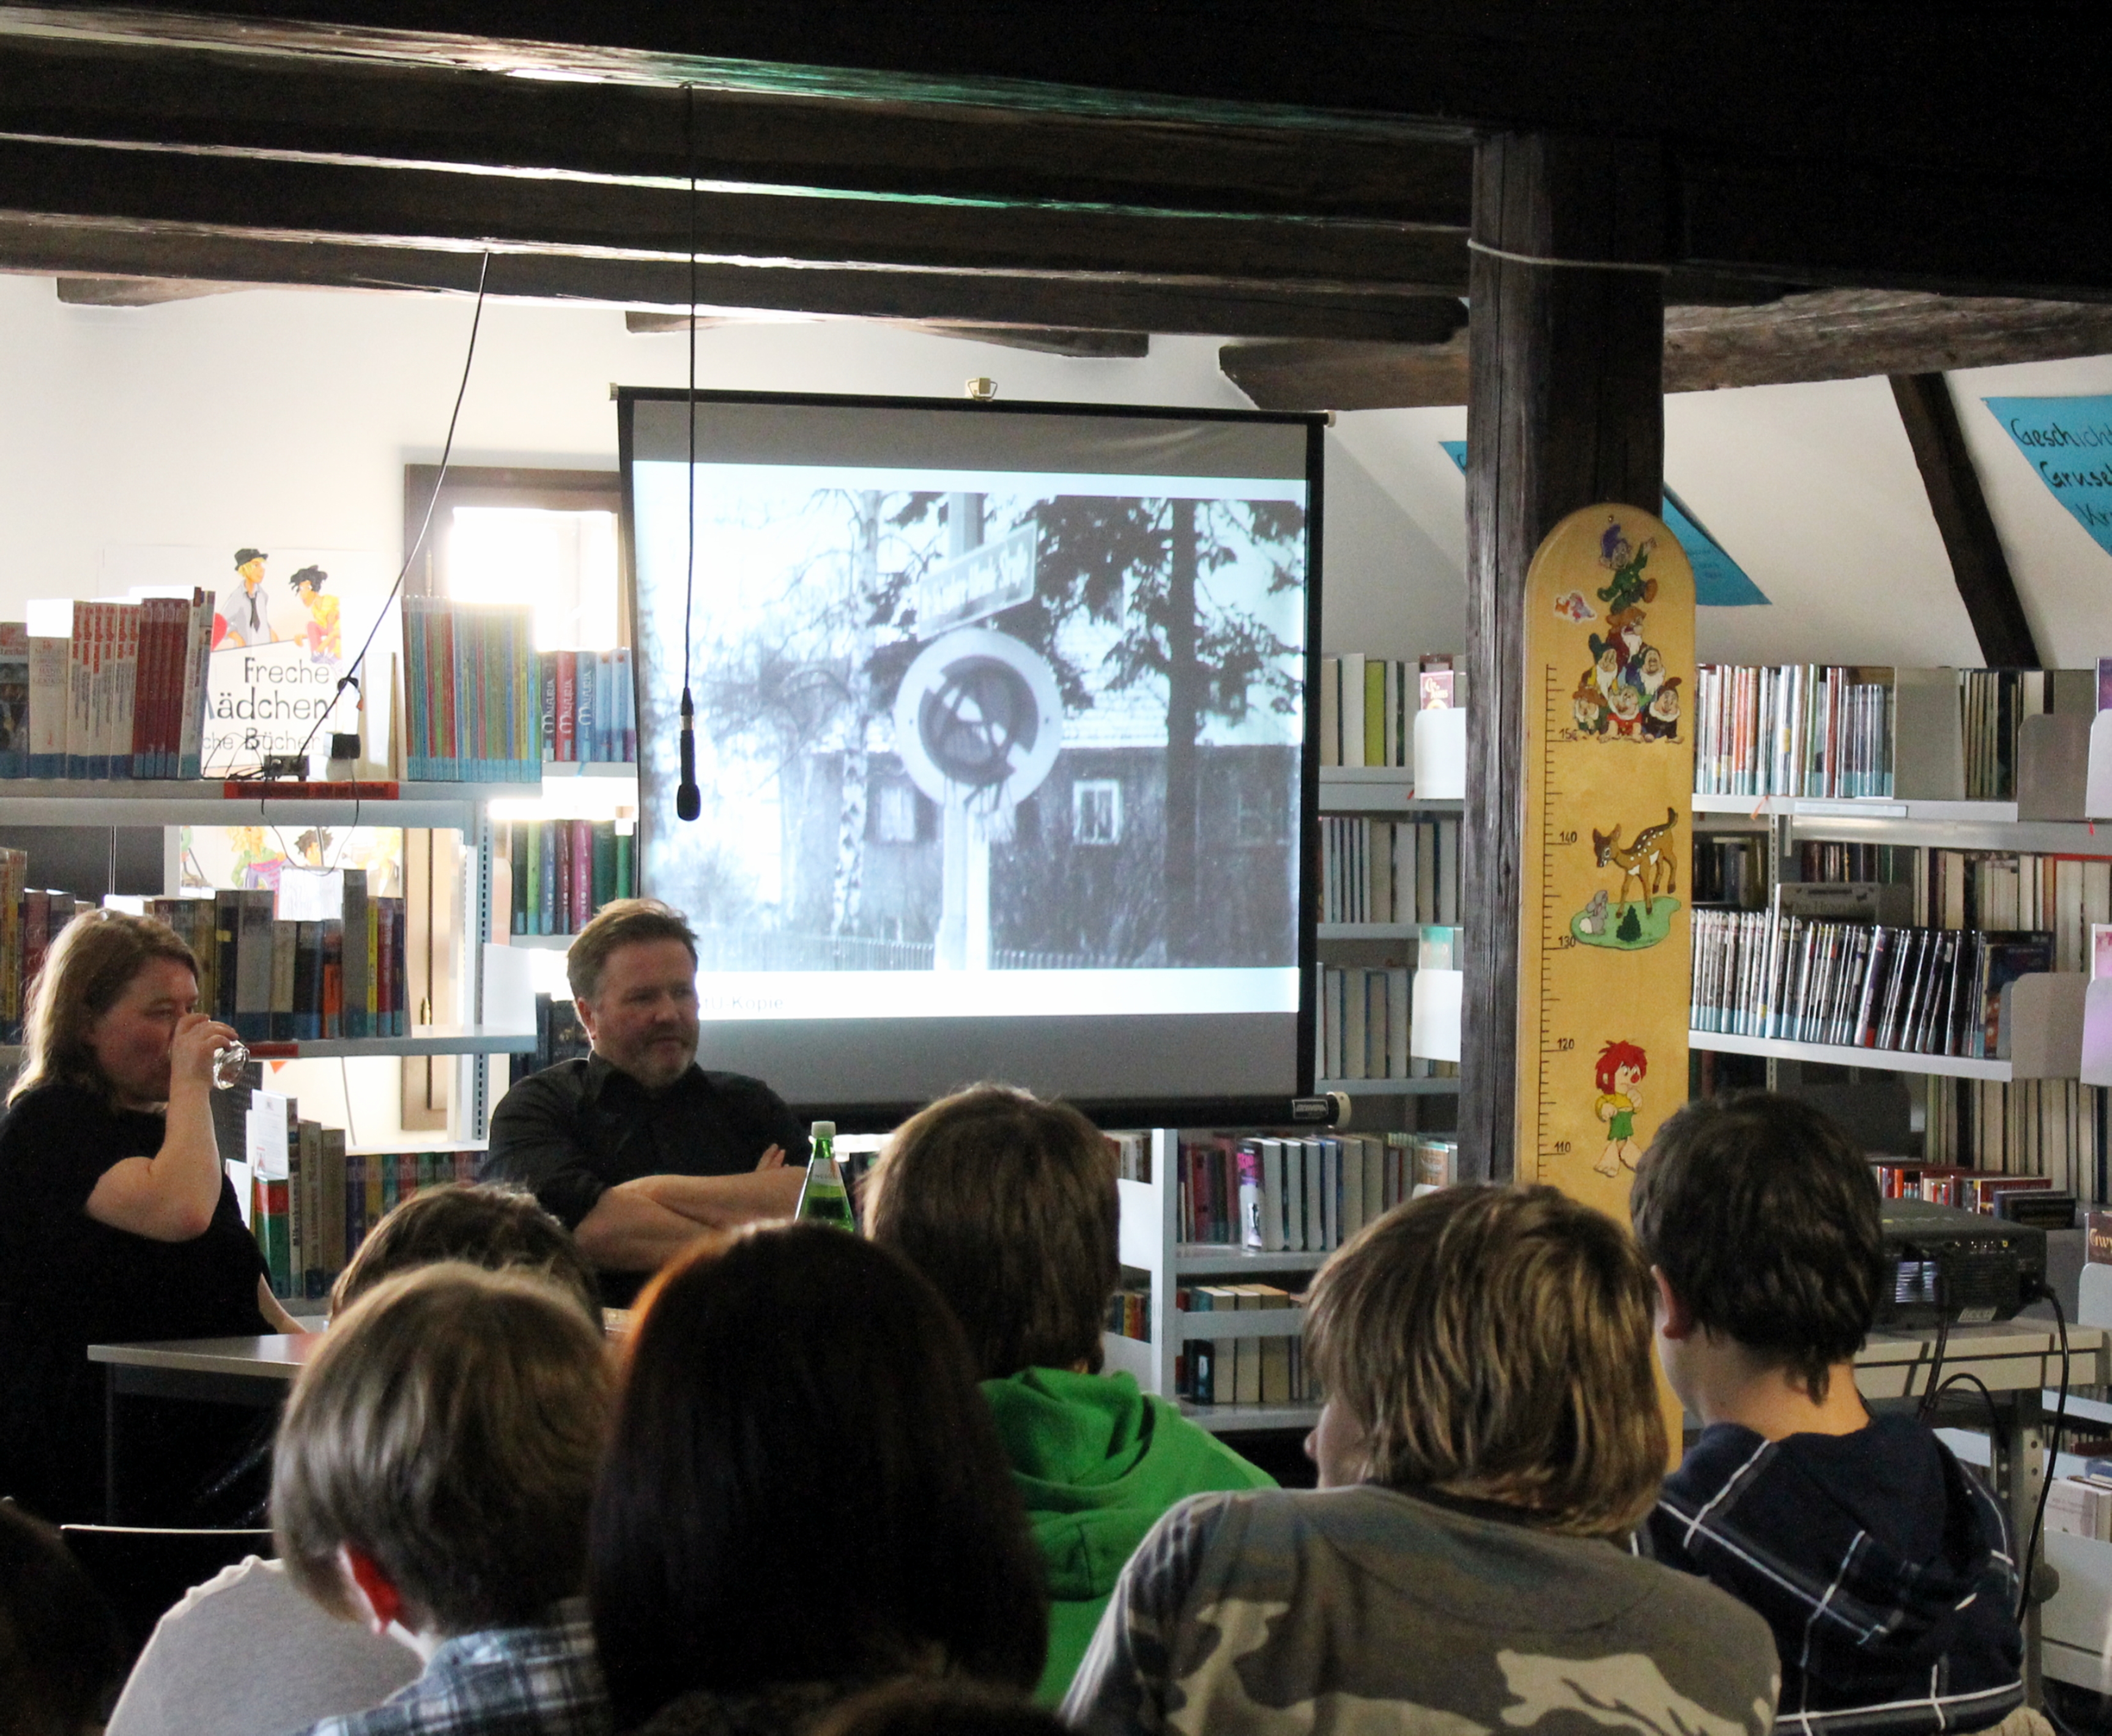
<point x="1097" y="1462"/>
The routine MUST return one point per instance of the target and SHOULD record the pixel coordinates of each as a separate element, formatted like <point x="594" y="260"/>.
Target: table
<point x="2017" y="1360"/>
<point x="256" y="1372"/>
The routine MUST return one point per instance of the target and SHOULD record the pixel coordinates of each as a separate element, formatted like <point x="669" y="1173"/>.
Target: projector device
<point x="1942" y="1265"/>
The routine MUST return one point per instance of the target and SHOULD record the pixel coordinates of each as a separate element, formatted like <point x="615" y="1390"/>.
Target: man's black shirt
<point x="574" y="1130"/>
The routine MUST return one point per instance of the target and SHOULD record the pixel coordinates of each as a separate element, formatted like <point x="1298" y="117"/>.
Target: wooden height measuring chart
<point x="1605" y="947"/>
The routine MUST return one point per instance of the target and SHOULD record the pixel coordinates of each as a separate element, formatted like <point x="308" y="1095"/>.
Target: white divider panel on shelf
<point x="2097" y="792"/>
<point x="2096" y="1059"/>
<point x="2053" y="765"/>
<point x="1440" y="754"/>
<point x="2042" y="1021"/>
<point x="1433" y="1019"/>
<point x="1928" y="736"/>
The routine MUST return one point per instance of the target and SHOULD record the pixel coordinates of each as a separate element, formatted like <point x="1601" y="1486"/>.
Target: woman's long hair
<point x="805" y="1485"/>
<point x="95" y="957"/>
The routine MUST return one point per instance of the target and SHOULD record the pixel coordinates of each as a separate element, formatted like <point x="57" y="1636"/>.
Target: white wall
<point x="285" y="418"/>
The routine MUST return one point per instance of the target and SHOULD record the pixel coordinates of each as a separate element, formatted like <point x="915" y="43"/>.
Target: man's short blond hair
<point x="1494" y="1344"/>
<point x="449" y="1429"/>
<point x="622" y="922"/>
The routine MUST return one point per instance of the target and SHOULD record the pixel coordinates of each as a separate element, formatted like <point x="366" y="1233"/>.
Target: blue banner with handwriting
<point x="2069" y="443"/>
<point x="1719" y="582"/>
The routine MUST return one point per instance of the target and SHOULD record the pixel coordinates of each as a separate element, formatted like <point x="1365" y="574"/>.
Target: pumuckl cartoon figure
<point x="1621" y="1068"/>
<point x="1625" y="703"/>
<point x="1627" y="590"/>
<point x="1661" y="722"/>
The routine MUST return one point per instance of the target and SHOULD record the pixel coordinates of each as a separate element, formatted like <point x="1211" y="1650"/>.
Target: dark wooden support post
<point x="1977" y="560"/>
<point x="1565" y="407"/>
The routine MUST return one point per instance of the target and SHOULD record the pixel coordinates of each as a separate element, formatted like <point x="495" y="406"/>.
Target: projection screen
<point x="1001" y="739"/>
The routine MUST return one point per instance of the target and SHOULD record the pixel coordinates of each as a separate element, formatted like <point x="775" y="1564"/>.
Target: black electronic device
<point x="1945" y="1266"/>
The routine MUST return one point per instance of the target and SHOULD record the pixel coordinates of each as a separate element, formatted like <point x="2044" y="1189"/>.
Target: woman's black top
<point x="67" y="1282"/>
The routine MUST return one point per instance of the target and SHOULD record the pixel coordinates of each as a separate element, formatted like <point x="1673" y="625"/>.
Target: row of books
<point x="124" y="696"/>
<point x="1862" y="984"/>
<point x="1800" y="729"/>
<point x="590" y="707"/>
<point x="1300" y="1194"/>
<point x="2082" y="1507"/>
<point x="31" y="919"/>
<point x="1953" y="1185"/>
<point x="1730" y="870"/>
<point x="474" y="686"/>
<point x="1992" y="706"/>
<point x="1368" y="705"/>
<point x="311" y="1202"/>
<point x="2049" y="1127"/>
<point x="2063" y="894"/>
<point x="1363" y="1030"/>
<point x="1389" y="870"/>
<point x="282" y="980"/>
<point x="563" y="871"/>
<point x="1240" y="1371"/>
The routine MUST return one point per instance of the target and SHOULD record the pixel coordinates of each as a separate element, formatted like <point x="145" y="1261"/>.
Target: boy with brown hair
<point x="433" y="1476"/>
<point x="1882" y="1566"/>
<point x="1008" y="1205"/>
<point x="1491" y="1427"/>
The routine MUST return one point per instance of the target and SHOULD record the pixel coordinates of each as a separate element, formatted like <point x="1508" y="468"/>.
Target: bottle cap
<point x="823" y="1130"/>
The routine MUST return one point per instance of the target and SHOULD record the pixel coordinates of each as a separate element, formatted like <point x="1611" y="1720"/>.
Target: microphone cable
<point x="350" y="678"/>
<point x="689" y="802"/>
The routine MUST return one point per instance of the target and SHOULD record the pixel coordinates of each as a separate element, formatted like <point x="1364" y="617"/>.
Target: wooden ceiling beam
<point x="1883" y="81"/>
<point x="129" y="248"/>
<point x="1978" y="564"/>
<point x="1104" y="346"/>
<point x="351" y="109"/>
<point x="1826" y="334"/>
<point x="397" y="206"/>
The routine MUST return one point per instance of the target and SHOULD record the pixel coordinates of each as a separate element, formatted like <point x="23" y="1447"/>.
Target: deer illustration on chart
<point x="1647" y="863"/>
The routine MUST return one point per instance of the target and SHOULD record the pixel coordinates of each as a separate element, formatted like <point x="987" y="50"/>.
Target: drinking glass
<point x="227" y="1065"/>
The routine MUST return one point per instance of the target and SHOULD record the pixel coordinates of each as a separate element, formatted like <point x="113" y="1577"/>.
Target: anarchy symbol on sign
<point x="978" y="712"/>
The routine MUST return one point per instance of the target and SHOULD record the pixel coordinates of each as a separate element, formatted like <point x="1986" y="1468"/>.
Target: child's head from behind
<point x="1493" y="1344"/>
<point x="499" y="1228"/>
<point x="1007" y="1204"/>
<point x="1763" y="1219"/>
<point x="803" y="1483"/>
<point x="447" y="1432"/>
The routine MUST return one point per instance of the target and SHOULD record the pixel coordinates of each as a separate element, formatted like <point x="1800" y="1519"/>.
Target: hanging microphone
<point x="689" y="803"/>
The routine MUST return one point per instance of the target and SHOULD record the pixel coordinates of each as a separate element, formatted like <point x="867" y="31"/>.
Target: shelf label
<point x="1605" y="948"/>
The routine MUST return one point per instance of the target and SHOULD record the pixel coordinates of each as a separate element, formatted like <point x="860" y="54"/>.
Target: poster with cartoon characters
<point x="286" y="621"/>
<point x="1604" y="947"/>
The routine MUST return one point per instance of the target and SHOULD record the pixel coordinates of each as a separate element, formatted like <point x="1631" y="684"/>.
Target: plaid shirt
<point x="539" y="1681"/>
<point x="1876" y="1638"/>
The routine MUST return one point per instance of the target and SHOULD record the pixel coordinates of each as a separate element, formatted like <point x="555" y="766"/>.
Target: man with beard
<point x="635" y="1148"/>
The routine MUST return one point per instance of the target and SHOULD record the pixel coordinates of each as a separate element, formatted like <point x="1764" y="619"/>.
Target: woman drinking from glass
<point x="117" y="1222"/>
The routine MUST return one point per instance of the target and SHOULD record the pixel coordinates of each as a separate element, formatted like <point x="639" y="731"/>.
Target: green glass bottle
<point x="822" y="1197"/>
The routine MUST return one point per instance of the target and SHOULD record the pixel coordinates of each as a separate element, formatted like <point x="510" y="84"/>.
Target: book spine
<point x="568" y="707"/>
<point x="582" y="869"/>
<point x="627" y="697"/>
<point x="586" y="718"/>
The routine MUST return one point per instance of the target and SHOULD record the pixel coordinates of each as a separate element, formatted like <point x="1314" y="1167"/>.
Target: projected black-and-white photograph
<point x="997" y="725"/>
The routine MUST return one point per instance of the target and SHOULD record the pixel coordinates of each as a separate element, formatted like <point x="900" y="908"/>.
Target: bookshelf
<point x="57" y="802"/>
<point x="1152" y="1251"/>
<point x="1378" y="793"/>
<point x="2030" y="1107"/>
<point x="475" y="1034"/>
<point x="1150" y="1246"/>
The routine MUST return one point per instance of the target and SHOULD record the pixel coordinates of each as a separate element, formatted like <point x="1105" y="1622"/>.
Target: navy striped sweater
<point x="1883" y="1565"/>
